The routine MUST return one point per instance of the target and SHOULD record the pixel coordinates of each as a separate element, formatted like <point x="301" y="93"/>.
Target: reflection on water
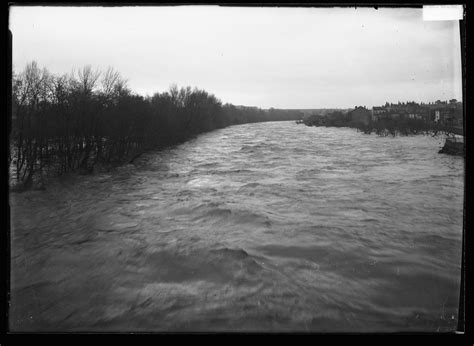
<point x="257" y="227"/>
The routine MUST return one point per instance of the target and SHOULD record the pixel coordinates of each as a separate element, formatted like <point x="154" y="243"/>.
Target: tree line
<point x="76" y="121"/>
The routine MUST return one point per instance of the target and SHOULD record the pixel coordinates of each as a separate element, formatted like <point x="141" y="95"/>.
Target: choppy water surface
<point x="257" y="227"/>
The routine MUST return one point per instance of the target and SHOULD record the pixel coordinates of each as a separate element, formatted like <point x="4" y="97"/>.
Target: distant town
<point x="395" y="117"/>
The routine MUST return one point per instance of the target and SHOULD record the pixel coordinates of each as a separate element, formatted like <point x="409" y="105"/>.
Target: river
<point x="257" y="227"/>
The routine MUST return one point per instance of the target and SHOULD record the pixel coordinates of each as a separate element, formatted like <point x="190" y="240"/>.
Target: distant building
<point x="379" y="113"/>
<point x="395" y="115"/>
<point x="438" y="112"/>
<point x="451" y="115"/>
<point x="413" y="116"/>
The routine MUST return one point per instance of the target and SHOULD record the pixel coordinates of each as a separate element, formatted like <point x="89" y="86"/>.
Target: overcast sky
<point x="266" y="57"/>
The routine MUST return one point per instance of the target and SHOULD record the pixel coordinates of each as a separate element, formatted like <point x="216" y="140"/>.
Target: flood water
<point x="257" y="227"/>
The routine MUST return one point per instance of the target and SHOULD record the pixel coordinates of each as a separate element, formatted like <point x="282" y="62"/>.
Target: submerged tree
<point x="87" y="118"/>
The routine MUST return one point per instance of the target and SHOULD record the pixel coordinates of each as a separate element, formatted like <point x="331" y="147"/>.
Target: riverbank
<point x="84" y="121"/>
<point x="453" y="146"/>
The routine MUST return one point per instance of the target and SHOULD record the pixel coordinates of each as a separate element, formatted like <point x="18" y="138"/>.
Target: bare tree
<point x="87" y="79"/>
<point x="74" y="121"/>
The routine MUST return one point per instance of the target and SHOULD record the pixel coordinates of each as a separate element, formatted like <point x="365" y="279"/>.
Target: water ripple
<point x="267" y="227"/>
